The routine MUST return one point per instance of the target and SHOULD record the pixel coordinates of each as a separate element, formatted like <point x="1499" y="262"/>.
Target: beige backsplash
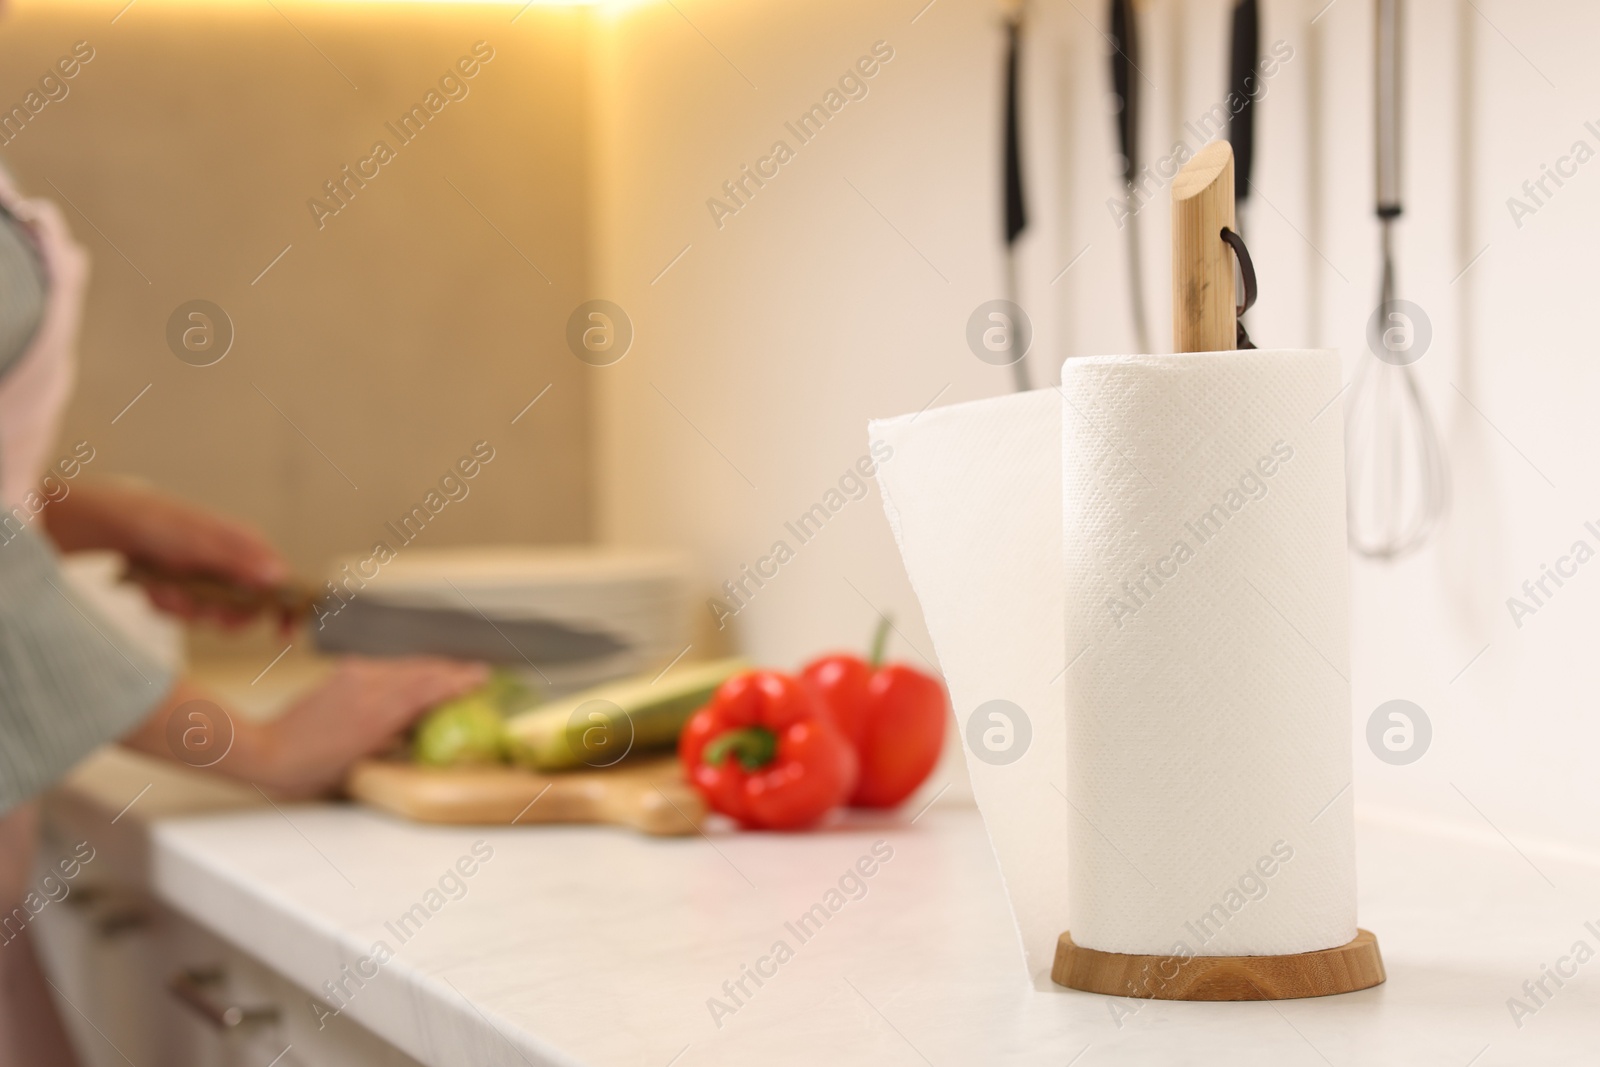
<point x="381" y="347"/>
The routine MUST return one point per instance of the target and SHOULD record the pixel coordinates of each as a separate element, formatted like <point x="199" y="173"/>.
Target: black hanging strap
<point x="1247" y="271"/>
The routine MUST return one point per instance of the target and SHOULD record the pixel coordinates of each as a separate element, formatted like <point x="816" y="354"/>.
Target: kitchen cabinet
<point x="140" y="983"/>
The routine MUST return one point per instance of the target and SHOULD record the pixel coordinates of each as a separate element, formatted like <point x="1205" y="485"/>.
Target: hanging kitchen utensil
<point x="1397" y="481"/>
<point x="1243" y="52"/>
<point x="1016" y="212"/>
<point x="1124" y="38"/>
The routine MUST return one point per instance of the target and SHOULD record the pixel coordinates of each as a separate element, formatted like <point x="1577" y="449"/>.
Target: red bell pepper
<point x="894" y="716"/>
<point x="766" y="752"/>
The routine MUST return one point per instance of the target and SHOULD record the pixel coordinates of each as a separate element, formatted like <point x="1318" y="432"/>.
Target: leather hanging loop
<point x="1247" y="272"/>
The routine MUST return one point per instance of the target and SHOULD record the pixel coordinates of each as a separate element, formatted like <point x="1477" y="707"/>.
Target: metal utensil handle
<point x="1386" y="103"/>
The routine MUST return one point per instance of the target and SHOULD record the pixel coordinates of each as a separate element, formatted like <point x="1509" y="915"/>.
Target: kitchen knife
<point x="372" y="627"/>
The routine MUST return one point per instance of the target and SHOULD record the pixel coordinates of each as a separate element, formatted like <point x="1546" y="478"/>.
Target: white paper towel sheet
<point x="973" y="493"/>
<point x="1208" y="741"/>
<point x="1186" y="785"/>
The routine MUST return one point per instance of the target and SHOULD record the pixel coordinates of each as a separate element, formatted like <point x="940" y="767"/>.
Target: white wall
<point x="762" y="353"/>
<point x="779" y="335"/>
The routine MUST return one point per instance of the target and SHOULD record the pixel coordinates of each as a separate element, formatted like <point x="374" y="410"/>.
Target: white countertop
<point x="601" y="947"/>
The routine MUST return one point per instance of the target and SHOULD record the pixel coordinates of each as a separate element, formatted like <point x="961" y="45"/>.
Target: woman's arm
<point x="149" y="526"/>
<point x="360" y="710"/>
<point x="357" y="712"/>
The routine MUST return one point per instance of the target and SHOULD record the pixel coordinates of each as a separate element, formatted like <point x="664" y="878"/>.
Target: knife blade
<point x="373" y="627"/>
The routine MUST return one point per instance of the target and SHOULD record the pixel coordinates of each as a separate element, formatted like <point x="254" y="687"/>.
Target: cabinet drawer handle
<point x="194" y="987"/>
<point x="111" y="914"/>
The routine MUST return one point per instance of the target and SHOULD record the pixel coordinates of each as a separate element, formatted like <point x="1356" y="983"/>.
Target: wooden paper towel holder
<point x="1357" y="964"/>
<point x="1205" y="319"/>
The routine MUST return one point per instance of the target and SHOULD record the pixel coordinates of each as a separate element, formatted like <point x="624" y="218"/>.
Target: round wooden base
<point x="1344" y="969"/>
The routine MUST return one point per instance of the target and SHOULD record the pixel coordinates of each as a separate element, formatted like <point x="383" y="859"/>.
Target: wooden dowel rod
<point x="1202" y="265"/>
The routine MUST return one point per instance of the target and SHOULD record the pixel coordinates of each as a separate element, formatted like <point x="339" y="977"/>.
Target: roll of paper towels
<point x="1183" y="785"/>
<point x="1205" y="591"/>
<point x="973" y="494"/>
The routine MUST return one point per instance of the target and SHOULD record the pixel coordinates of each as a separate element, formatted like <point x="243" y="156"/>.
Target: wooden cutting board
<point x="647" y="795"/>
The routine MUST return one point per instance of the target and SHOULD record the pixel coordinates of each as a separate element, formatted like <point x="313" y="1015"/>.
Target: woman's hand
<point x="360" y="711"/>
<point x="167" y="533"/>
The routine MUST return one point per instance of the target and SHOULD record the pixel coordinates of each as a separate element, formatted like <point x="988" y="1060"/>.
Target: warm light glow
<point x="120" y="5"/>
<point x="608" y="10"/>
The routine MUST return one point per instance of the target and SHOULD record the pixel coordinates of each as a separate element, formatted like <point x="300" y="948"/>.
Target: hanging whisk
<point x="1396" y="477"/>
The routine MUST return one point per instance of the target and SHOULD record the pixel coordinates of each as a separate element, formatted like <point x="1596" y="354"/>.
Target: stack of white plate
<point x="566" y="617"/>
